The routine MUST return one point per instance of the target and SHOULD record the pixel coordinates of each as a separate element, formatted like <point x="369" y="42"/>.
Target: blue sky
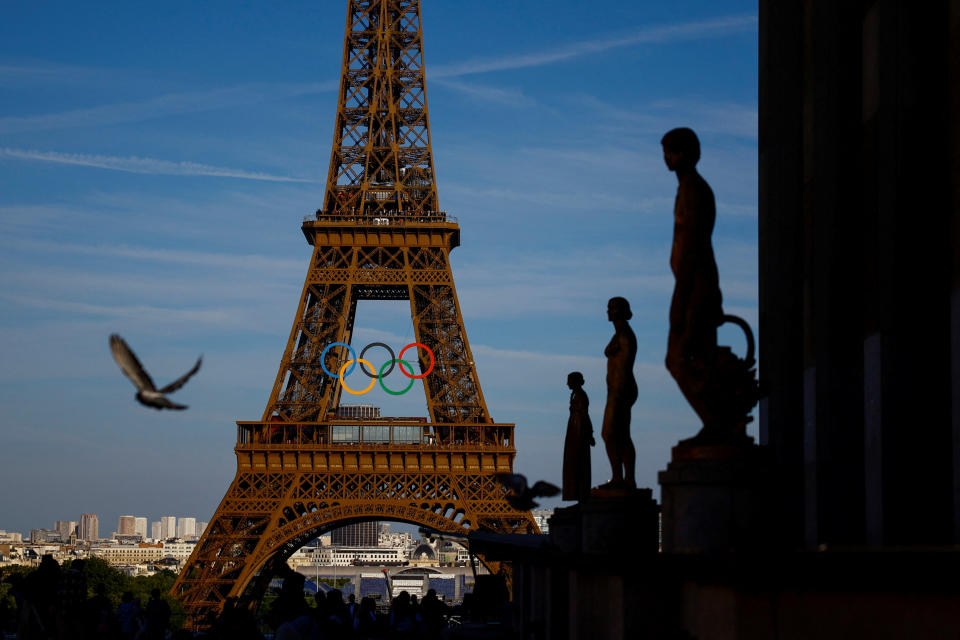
<point x="156" y="161"/>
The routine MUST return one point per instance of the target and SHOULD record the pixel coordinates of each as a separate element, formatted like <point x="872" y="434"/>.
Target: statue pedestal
<point x="712" y="496"/>
<point x="607" y="522"/>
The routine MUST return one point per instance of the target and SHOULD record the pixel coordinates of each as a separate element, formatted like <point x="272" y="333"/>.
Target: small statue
<point x="576" y="445"/>
<point x="721" y="387"/>
<point x="621" y="394"/>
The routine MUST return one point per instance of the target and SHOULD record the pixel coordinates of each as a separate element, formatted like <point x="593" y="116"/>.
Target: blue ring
<point x="324" y="353"/>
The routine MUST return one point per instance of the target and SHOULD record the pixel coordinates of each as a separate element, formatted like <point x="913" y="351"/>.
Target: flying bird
<point x="519" y="496"/>
<point x="147" y="393"/>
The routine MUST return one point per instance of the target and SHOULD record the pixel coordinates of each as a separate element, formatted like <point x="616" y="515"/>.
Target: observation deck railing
<point x="391" y="219"/>
<point x="375" y="434"/>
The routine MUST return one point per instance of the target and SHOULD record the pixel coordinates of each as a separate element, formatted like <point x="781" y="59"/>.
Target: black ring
<point x="376" y="376"/>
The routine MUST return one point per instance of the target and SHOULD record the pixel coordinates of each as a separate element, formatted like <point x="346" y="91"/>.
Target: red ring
<point x="432" y="361"/>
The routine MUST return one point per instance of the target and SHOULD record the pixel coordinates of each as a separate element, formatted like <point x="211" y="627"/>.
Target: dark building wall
<point x="359" y="534"/>
<point x="859" y="308"/>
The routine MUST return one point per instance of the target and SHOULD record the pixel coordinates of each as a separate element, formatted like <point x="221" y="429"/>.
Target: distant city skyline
<point x="89" y="525"/>
<point x="169" y="527"/>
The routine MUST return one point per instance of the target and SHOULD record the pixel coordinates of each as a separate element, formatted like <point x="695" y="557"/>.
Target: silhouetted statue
<point x="720" y="387"/>
<point x="621" y="394"/>
<point x="576" y="445"/>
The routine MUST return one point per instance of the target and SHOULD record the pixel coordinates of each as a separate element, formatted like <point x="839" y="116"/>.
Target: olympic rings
<point x="347" y="367"/>
<point x="429" y="369"/>
<point x="382" y="375"/>
<point x="392" y="359"/>
<point x="324" y="353"/>
<point x="344" y="384"/>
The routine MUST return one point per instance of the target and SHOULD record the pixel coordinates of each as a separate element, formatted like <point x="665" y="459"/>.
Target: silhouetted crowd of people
<point x="53" y="605"/>
<point x="333" y="618"/>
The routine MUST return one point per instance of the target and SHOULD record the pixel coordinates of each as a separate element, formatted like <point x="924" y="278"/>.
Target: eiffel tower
<point x="380" y="235"/>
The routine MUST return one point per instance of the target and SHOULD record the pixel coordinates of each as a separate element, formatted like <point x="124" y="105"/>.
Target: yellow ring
<point x="343" y="384"/>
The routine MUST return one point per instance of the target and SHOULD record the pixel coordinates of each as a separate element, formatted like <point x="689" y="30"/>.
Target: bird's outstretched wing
<point x="182" y="380"/>
<point x="544" y="489"/>
<point x="159" y="402"/>
<point x="513" y="482"/>
<point x="129" y="364"/>
<point x="521" y="503"/>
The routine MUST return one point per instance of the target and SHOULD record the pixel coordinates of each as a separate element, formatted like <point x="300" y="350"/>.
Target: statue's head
<point x="575" y="380"/>
<point x="681" y="149"/>
<point x="618" y="309"/>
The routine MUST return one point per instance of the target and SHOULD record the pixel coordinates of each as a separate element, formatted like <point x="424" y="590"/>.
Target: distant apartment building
<point x="201" y="527"/>
<point x="140" y="527"/>
<point x="179" y="551"/>
<point x="66" y="528"/>
<point x="10" y="538"/>
<point x="126" y="525"/>
<point x="44" y="536"/>
<point x="354" y="556"/>
<point x="128" y="538"/>
<point x="89" y="527"/>
<point x="360" y="534"/>
<point x="128" y="553"/>
<point x="358" y="411"/>
<point x="168" y="527"/>
<point x="156" y="530"/>
<point x="186" y="527"/>
<point x="391" y="539"/>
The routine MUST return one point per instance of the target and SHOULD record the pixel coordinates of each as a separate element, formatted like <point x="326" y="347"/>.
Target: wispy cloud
<point x="27" y="73"/>
<point x="143" y="312"/>
<point x="252" y="262"/>
<point x="649" y="35"/>
<point x="508" y="97"/>
<point x="561" y="285"/>
<point x="717" y="117"/>
<point x="740" y="120"/>
<point x="193" y="285"/>
<point x="574" y="201"/>
<point x="164" y="105"/>
<point x="135" y="164"/>
<point x="569" y="285"/>
<point x="646" y="371"/>
<point x="8" y="70"/>
<point x="147" y="317"/>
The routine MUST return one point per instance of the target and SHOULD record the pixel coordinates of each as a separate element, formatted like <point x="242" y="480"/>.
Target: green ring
<point x="382" y="376"/>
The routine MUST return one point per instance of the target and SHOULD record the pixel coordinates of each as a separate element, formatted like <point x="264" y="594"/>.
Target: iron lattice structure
<point x="301" y="470"/>
<point x="382" y="160"/>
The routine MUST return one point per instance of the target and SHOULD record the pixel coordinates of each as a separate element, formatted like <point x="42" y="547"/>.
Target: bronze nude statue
<point x="576" y="445"/>
<point x="621" y="394"/>
<point x="721" y="387"/>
